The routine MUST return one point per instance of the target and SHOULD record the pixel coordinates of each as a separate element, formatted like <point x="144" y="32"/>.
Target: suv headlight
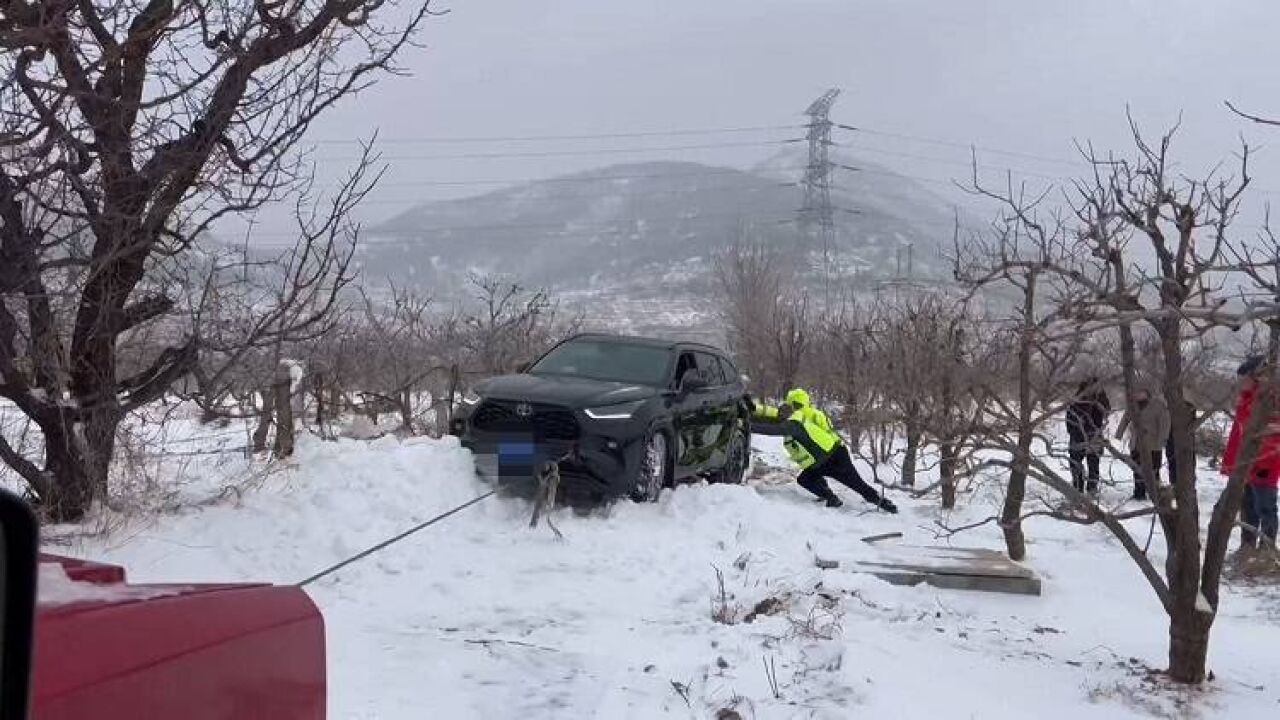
<point x="622" y="411"/>
<point x="470" y="397"/>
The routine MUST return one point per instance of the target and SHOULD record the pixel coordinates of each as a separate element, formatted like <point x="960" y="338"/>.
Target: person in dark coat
<point x="1086" y="423"/>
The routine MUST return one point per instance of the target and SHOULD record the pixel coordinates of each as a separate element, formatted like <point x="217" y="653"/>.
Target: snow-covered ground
<point x="481" y="617"/>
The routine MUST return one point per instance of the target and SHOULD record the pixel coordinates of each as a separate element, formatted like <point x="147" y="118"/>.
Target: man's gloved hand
<point x="750" y="401"/>
<point x="887" y="505"/>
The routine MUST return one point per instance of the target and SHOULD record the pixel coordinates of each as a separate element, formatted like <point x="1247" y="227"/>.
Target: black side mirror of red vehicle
<point x="19" y="535"/>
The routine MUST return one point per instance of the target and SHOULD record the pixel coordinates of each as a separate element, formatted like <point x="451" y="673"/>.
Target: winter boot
<point x="1248" y="538"/>
<point x="834" y="502"/>
<point x="1092" y="487"/>
<point x="1140" y="491"/>
<point x="887" y="505"/>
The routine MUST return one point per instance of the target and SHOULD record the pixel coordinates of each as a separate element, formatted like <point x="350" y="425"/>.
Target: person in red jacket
<point x="1258" y="512"/>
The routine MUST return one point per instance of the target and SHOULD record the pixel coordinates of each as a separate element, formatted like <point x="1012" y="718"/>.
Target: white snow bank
<point x="481" y="617"/>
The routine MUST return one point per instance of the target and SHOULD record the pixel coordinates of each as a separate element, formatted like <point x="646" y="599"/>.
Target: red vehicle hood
<point x="107" y="649"/>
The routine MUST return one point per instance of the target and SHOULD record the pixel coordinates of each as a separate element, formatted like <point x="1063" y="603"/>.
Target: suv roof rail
<point x="649" y="340"/>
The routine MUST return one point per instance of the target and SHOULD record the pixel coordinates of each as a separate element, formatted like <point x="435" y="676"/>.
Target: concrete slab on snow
<point x="952" y="568"/>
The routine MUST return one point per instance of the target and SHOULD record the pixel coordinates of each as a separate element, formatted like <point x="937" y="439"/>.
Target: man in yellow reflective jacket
<point x="813" y="444"/>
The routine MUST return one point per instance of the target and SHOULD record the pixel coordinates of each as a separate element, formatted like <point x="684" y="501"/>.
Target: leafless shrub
<point x="822" y="621"/>
<point x="724" y="609"/>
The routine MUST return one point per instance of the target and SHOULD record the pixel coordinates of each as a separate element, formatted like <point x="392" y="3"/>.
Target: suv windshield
<point x="608" y="360"/>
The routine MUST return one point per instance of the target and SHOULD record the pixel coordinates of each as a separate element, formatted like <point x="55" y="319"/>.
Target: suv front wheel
<point x="652" y="475"/>
<point x="737" y="457"/>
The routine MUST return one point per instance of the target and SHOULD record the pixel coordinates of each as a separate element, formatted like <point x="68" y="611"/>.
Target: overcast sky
<point x="1005" y="74"/>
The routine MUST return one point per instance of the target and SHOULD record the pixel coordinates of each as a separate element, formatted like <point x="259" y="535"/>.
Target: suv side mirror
<point x="18" y="538"/>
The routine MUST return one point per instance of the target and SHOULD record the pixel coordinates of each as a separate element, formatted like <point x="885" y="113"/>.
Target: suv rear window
<point x="608" y="360"/>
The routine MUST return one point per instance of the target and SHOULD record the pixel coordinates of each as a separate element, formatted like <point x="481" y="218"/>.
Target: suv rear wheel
<point x="652" y="475"/>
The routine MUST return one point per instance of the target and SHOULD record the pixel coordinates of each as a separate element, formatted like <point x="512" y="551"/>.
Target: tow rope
<point x="391" y="541"/>
<point x="548" y="479"/>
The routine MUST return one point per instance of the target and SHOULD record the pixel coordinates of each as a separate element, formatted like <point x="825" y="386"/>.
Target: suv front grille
<point x="544" y="422"/>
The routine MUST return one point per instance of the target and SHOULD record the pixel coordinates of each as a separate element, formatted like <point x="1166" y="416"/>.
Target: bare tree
<point x="1017" y="256"/>
<point x="397" y="358"/>
<point x="1183" y="223"/>
<point x="127" y="129"/>
<point x="507" y="324"/>
<point x="848" y="368"/>
<point x="931" y="350"/>
<point x="766" y="318"/>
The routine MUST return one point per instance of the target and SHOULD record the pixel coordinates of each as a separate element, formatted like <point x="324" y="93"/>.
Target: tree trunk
<point x="1189" y="646"/>
<point x="405" y="401"/>
<point x="1011" y="516"/>
<point x="455" y="384"/>
<point x="100" y="445"/>
<point x="913" y="450"/>
<point x="1015" y="540"/>
<point x="284" y="415"/>
<point x="78" y="458"/>
<point x="947" y="469"/>
<point x="264" y="421"/>
<point x="71" y="492"/>
<point x="318" y="388"/>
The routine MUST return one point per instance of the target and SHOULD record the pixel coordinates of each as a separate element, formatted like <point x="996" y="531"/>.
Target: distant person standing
<point x="1148" y="429"/>
<point x="1258" y="513"/>
<point x="1086" y="422"/>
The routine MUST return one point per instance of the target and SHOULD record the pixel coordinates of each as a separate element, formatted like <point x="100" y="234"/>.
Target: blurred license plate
<point x="518" y="452"/>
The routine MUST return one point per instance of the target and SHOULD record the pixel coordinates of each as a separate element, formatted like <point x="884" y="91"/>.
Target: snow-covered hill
<point x="603" y="224"/>
<point x="481" y="617"/>
<point x="631" y="245"/>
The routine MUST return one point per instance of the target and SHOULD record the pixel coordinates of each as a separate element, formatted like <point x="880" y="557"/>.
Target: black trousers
<point x="1084" y="450"/>
<point x="1140" y="485"/>
<point x="838" y="467"/>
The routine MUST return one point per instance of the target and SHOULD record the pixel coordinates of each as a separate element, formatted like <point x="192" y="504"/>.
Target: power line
<point x="572" y="153"/>
<point x="680" y="148"/>
<point x="760" y="186"/>
<point x="426" y="140"/>
<point x="951" y="161"/>
<point x="963" y="146"/>
<point x="677" y="132"/>
<point x="586" y="178"/>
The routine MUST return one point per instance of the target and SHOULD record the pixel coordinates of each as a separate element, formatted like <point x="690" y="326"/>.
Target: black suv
<point x="624" y="416"/>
